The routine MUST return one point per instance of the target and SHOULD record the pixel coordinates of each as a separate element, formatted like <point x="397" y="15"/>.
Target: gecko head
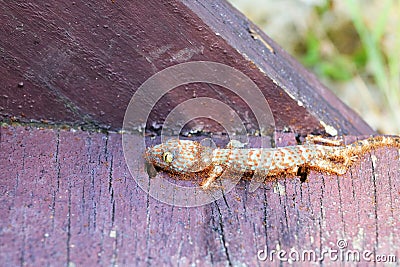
<point x="181" y="156"/>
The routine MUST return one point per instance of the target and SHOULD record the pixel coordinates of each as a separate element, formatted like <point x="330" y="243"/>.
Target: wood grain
<point x="68" y="198"/>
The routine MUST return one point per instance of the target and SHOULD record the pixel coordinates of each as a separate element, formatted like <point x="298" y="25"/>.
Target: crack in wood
<point x="222" y="235"/>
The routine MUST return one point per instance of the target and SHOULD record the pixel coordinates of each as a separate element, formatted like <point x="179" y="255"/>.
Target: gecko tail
<point x="372" y="143"/>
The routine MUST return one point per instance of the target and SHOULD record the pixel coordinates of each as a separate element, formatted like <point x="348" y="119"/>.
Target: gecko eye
<point x="168" y="157"/>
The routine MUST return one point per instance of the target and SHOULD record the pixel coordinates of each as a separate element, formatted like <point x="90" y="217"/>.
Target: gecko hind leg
<point x="303" y="173"/>
<point x="330" y="167"/>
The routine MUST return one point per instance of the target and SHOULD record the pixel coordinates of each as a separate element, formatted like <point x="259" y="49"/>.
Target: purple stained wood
<point x="80" y="62"/>
<point x="68" y="198"/>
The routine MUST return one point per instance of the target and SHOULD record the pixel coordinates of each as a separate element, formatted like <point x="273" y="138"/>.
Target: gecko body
<point x="184" y="157"/>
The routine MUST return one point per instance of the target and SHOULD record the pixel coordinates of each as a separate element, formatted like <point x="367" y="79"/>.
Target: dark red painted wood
<point x="79" y="63"/>
<point x="67" y="198"/>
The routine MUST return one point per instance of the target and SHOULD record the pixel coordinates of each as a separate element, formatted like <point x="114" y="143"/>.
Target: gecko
<point x="184" y="157"/>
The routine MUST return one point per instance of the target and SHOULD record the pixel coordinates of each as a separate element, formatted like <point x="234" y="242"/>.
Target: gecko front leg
<point x="215" y="172"/>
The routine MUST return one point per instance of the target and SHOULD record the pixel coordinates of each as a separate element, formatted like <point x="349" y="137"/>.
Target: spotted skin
<point x="185" y="157"/>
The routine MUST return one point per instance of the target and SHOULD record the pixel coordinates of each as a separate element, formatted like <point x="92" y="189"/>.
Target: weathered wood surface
<point x="68" y="198"/>
<point x="79" y="63"/>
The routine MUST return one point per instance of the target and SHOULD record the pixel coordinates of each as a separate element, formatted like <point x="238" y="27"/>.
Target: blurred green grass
<point x="353" y="46"/>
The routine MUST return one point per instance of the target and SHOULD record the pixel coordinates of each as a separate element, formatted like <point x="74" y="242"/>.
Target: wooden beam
<point x="80" y="62"/>
<point x="68" y="198"/>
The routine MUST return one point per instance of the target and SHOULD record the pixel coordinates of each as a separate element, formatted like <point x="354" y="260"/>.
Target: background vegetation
<point x="352" y="45"/>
